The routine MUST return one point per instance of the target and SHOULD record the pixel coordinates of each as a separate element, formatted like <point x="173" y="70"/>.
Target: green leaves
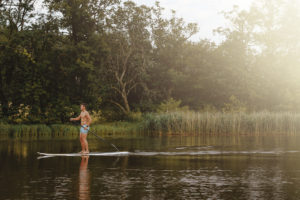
<point x="124" y="59"/>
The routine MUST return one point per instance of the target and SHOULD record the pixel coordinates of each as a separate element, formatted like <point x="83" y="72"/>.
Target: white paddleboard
<point x="118" y="153"/>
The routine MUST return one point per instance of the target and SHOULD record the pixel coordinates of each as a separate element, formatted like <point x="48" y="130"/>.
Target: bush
<point x="171" y="105"/>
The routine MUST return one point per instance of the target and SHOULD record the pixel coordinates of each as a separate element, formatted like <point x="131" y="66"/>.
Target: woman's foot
<point x="81" y="152"/>
<point x="86" y="152"/>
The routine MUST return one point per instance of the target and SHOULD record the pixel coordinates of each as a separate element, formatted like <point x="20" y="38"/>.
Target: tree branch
<point x="133" y="86"/>
<point x="117" y="89"/>
<point x="125" y="63"/>
<point x="119" y="106"/>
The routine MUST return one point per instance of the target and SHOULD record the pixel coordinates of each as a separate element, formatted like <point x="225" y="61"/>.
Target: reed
<point x="174" y="123"/>
<point x="221" y="123"/>
<point x="36" y="130"/>
<point x="116" y="128"/>
<point x="21" y="130"/>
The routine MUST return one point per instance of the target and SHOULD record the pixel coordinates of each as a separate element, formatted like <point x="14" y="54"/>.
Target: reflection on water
<point x="18" y="148"/>
<point x="156" y="168"/>
<point x="84" y="179"/>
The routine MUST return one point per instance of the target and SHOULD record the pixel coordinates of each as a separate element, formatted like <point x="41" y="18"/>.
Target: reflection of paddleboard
<point x="120" y="153"/>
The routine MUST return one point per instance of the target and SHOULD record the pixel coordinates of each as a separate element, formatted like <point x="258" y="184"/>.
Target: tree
<point x="128" y="38"/>
<point x="13" y="56"/>
<point x="81" y="49"/>
<point x="170" y="42"/>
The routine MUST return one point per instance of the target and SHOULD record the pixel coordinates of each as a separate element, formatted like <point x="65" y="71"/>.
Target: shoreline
<point x="177" y="123"/>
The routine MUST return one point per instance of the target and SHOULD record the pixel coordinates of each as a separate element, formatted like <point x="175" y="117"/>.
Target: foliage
<point x="129" y="48"/>
<point x="171" y="105"/>
<point x="135" y="116"/>
<point x="68" y="131"/>
<point x="234" y="105"/>
<point x="123" y="60"/>
<point x="199" y="123"/>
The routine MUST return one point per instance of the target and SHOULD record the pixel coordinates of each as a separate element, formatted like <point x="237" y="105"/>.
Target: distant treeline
<point x="121" y="58"/>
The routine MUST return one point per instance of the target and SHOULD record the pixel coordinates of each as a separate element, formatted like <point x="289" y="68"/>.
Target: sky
<point x="206" y="13"/>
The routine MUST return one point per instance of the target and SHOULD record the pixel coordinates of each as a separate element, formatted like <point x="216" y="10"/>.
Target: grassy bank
<point x="222" y="123"/>
<point x="175" y="123"/>
<point x="36" y="130"/>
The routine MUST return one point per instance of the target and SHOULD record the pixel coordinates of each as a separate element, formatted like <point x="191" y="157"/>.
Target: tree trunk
<point x="4" y="104"/>
<point x="125" y="100"/>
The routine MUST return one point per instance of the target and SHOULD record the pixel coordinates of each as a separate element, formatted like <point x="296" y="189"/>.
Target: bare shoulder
<point x="85" y="113"/>
<point x="82" y="114"/>
<point x="88" y="115"/>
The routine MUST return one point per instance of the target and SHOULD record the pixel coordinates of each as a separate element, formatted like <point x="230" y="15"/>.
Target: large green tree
<point x="129" y="55"/>
<point x="14" y="57"/>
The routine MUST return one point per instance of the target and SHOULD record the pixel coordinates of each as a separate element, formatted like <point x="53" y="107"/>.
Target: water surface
<point x="169" y="167"/>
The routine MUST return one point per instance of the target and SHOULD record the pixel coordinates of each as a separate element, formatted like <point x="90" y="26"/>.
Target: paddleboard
<point x="118" y="153"/>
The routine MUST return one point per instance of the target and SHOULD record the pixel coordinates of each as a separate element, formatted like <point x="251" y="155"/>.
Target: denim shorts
<point x="82" y="130"/>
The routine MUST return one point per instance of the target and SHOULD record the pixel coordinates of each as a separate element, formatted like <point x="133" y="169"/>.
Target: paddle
<point x="103" y="139"/>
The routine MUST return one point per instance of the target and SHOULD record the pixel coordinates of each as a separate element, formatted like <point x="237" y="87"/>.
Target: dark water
<point x="170" y="167"/>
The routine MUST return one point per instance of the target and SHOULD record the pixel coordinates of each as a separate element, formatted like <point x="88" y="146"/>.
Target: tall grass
<point x="174" y="123"/>
<point x="116" y="128"/>
<point x="36" y="130"/>
<point x="225" y="123"/>
<point x="24" y="130"/>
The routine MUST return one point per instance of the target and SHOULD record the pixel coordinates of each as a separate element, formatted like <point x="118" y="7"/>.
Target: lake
<point x="157" y="167"/>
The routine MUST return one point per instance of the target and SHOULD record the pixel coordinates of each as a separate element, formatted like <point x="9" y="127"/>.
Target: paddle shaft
<point x="103" y="139"/>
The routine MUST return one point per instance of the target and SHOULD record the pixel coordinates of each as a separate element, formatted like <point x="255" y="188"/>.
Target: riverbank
<point x="35" y="130"/>
<point x="175" y="123"/>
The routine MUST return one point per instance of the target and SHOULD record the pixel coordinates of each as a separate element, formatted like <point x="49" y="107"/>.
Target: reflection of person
<point x="84" y="179"/>
<point x="85" y="126"/>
